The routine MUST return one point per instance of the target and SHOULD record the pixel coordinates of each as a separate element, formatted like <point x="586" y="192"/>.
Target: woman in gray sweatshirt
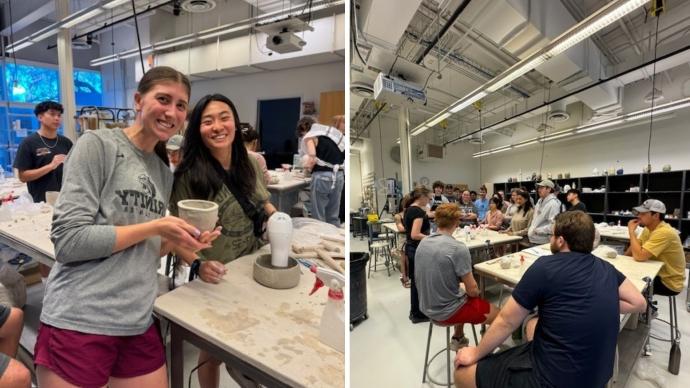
<point x="110" y="230"/>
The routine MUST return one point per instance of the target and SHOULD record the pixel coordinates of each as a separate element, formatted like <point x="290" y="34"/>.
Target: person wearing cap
<point x="573" y="197"/>
<point x="546" y="209"/>
<point x="172" y="148"/>
<point x="658" y="241"/>
<point x="449" y="194"/>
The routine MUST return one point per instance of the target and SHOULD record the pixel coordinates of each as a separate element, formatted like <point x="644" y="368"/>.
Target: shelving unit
<point x="672" y="188"/>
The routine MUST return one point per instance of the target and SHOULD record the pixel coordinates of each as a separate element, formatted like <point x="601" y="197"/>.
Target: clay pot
<point x="202" y="214"/>
<point x="276" y="277"/>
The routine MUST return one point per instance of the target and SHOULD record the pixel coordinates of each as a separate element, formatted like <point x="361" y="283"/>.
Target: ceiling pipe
<point x="444" y="29"/>
<point x="116" y="22"/>
<point x="570" y="94"/>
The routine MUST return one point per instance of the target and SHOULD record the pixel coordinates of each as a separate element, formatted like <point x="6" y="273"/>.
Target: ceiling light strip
<point x="626" y="118"/>
<point x="608" y="14"/>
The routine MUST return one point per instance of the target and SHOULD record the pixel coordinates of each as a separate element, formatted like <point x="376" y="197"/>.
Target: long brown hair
<point x="153" y="77"/>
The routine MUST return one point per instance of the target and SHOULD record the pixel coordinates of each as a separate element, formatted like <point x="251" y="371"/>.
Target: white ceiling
<point x="490" y="36"/>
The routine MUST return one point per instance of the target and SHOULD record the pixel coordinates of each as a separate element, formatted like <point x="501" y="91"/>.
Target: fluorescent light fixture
<point x="419" y="130"/>
<point x="514" y="72"/>
<point x="81" y="18"/>
<point x="595" y="23"/>
<point x="40" y="36"/>
<point x="464" y="103"/>
<point x="526" y="144"/>
<point x="595" y="126"/>
<point x="557" y="136"/>
<point x="173" y="44"/>
<point x="438" y="119"/>
<point x="18" y="46"/>
<point x="115" y="3"/>
<point x="397" y="141"/>
<point x="214" y="34"/>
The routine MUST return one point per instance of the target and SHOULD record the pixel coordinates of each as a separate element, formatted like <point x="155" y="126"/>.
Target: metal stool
<point x="674" y="354"/>
<point x="447" y="350"/>
<point x="380" y="247"/>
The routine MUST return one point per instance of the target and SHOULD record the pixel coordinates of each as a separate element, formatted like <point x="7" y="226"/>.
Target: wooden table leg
<point x="176" y="357"/>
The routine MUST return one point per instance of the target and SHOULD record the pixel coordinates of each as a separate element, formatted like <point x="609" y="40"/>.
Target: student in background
<point x="250" y="137"/>
<point x="40" y="156"/>
<point x="172" y="147"/>
<point x="326" y="157"/>
<point x="573" y="197"/>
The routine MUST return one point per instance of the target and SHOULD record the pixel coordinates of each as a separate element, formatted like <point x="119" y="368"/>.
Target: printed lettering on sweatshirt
<point x="135" y="201"/>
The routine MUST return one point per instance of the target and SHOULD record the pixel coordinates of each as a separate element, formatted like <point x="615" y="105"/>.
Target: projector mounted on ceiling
<point x="282" y="36"/>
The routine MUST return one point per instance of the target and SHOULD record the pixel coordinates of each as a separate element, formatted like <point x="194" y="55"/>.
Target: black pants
<point x="661" y="289"/>
<point x="414" y="295"/>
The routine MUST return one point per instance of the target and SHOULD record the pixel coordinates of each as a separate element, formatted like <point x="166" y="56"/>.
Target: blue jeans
<point x="325" y="199"/>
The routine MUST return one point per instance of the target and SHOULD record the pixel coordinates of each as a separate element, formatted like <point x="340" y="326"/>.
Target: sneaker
<point x="418" y="319"/>
<point x="457" y="343"/>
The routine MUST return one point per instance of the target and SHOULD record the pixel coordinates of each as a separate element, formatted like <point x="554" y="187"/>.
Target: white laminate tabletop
<point x="633" y="270"/>
<point x="291" y="183"/>
<point x="31" y="230"/>
<point x="276" y="331"/>
<point x="14" y="186"/>
<point x="392" y="227"/>
<point x="481" y="237"/>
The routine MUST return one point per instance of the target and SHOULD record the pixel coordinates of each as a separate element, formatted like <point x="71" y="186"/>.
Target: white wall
<point x="245" y="91"/>
<point x="670" y="140"/>
<point x="457" y="166"/>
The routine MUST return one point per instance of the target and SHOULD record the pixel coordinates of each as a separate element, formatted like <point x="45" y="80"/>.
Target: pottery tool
<point x="326" y="257"/>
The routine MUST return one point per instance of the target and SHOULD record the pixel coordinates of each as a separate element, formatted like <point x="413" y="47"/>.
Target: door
<point x="276" y="125"/>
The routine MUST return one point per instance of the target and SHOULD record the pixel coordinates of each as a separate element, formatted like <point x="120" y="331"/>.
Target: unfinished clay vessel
<point x="276" y="277"/>
<point x="202" y="214"/>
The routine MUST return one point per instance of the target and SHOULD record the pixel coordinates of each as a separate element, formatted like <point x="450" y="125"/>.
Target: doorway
<point x="276" y="123"/>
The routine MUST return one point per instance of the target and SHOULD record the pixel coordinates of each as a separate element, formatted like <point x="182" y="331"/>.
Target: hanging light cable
<point x="651" y="111"/>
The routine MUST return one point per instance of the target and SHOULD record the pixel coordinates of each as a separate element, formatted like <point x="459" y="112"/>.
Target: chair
<point x="449" y="364"/>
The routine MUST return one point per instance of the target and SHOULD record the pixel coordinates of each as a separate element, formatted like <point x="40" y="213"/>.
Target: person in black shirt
<point x="417" y="226"/>
<point x="573" y="197"/>
<point x="572" y="343"/>
<point x="40" y="156"/>
<point x="438" y="197"/>
<point x="326" y="158"/>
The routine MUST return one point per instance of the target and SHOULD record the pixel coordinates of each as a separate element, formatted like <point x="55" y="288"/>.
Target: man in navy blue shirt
<point x="572" y="343"/>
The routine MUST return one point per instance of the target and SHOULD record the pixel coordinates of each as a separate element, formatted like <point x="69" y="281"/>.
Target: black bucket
<point x="358" y="286"/>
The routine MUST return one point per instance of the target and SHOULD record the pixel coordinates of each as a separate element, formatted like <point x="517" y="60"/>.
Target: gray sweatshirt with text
<point x="107" y="182"/>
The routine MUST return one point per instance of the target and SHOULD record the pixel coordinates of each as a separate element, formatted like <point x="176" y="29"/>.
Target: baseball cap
<point x="546" y="183"/>
<point x="651" y="205"/>
<point x="174" y="143"/>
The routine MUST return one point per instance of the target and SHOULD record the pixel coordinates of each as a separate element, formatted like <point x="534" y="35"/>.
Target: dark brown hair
<point x="447" y="215"/>
<point x="577" y="229"/>
<point x="418" y="192"/>
<point x="437" y="184"/>
<point x="304" y="125"/>
<point x="153" y="77"/>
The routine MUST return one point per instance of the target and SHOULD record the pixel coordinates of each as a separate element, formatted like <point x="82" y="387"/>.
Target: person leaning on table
<point x="658" y="241"/>
<point x="572" y="340"/>
<point x="545" y="211"/>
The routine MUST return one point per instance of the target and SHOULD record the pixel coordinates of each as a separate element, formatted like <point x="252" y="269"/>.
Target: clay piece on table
<point x="276" y="277"/>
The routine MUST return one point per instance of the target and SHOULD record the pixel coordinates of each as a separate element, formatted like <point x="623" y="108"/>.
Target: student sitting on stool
<point x="572" y="343"/>
<point x="443" y="262"/>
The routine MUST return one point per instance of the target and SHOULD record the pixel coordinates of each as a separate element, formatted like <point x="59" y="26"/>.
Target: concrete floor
<point x="386" y="350"/>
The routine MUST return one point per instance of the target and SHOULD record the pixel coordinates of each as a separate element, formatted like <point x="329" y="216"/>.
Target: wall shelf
<point x="673" y="188"/>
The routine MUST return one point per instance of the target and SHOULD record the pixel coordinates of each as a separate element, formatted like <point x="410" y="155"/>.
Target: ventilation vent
<point x="198" y="6"/>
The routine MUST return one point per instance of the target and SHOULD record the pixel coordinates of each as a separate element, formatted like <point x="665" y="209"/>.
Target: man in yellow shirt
<point x="658" y="241"/>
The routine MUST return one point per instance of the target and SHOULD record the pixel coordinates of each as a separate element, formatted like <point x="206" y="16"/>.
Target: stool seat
<point x="379" y="244"/>
<point x="449" y="364"/>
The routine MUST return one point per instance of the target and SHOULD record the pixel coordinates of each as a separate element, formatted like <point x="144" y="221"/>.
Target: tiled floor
<point x="388" y="351"/>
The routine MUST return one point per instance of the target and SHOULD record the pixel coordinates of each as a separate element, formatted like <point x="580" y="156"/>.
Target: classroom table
<point x="270" y="335"/>
<point x="630" y="341"/>
<point x="285" y="194"/>
<point x="30" y="234"/>
<point x="485" y="237"/>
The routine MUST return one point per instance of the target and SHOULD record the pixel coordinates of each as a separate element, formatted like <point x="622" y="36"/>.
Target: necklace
<point x="57" y="139"/>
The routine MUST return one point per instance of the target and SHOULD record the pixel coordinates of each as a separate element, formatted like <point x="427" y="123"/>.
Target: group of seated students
<point x="567" y="304"/>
